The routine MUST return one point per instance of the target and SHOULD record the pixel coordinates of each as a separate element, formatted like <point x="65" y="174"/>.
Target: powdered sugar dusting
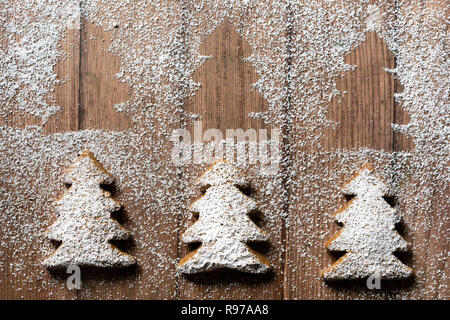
<point x="298" y="51"/>
<point x="30" y="33"/>
<point x="222" y="173"/>
<point x="223" y="227"/>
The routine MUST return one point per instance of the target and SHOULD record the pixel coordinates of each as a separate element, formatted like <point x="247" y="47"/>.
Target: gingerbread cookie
<point x="368" y="237"/>
<point x="224" y="227"/>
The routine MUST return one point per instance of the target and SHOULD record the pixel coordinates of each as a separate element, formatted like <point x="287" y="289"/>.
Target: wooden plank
<point x="366" y="112"/>
<point x="224" y="101"/>
<point x="428" y="227"/>
<point x="99" y="88"/>
<point x="98" y="91"/>
<point x="32" y="282"/>
<point x="364" y="115"/>
<point x="67" y="94"/>
<point x="87" y="99"/>
<point x="318" y="166"/>
<point x="439" y="274"/>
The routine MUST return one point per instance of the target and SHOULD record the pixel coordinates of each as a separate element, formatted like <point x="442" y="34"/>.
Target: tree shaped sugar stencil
<point x="223" y="227"/>
<point x="85" y="226"/>
<point x="367" y="109"/>
<point x="226" y="96"/>
<point x="368" y="237"/>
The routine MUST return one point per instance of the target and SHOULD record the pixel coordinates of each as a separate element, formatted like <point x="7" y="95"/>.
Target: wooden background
<point x="92" y="91"/>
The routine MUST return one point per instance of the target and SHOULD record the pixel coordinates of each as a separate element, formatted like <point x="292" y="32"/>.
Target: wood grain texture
<point x="49" y="286"/>
<point x="429" y="242"/>
<point x="99" y="90"/>
<point x="367" y="110"/>
<point x="67" y="95"/>
<point x="363" y="114"/>
<point x="224" y="100"/>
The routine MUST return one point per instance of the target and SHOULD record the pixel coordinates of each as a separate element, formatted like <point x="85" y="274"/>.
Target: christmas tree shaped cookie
<point x="368" y="237"/>
<point x="85" y="226"/>
<point x="224" y="227"/>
